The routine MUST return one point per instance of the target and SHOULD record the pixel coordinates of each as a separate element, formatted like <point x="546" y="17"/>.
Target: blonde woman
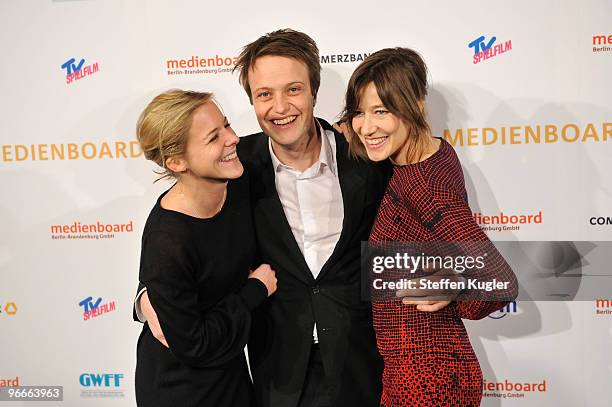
<point x="197" y="249"/>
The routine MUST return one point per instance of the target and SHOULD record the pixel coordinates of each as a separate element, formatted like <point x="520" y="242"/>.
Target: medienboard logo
<point x="9" y="309"/>
<point x="510" y="309"/>
<point x="485" y="49"/>
<point x="343" y="58"/>
<point x="510" y="389"/>
<point x="76" y="71"/>
<point x="529" y="134"/>
<point x="90" y="230"/>
<point x="504" y="222"/>
<point x="10" y="382"/>
<point x="603" y="307"/>
<point x="600" y="221"/>
<point x="103" y="385"/>
<point x="112" y="150"/>
<point x="602" y="43"/>
<point x="95" y="308"/>
<point x="197" y="65"/>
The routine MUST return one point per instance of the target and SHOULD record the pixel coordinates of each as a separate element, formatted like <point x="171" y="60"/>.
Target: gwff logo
<point x="100" y="379"/>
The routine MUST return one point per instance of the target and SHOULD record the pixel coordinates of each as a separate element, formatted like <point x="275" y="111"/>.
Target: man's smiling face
<point x="283" y="100"/>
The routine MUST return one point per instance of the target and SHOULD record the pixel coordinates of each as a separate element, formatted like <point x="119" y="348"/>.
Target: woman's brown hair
<point x="400" y="78"/>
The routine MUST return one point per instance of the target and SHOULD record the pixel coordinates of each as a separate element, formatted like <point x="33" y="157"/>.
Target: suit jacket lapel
<point x="353" y="185"/>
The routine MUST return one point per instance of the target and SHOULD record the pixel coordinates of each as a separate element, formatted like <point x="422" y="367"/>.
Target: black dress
<point x="195" y="271"/>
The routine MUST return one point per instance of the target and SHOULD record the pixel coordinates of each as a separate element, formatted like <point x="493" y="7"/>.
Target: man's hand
<point x="342" y="128"/>
<point x="149" y="312"/>
<point x="430" y="299"/>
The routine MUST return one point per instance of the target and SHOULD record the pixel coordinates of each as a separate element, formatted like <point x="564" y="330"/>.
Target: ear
<point x="176" y="164"/>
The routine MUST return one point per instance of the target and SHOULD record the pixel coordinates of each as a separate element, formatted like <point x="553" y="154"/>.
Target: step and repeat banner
<point x="520" y="89"/>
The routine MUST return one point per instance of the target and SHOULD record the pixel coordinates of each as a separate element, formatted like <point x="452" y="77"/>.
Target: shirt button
<point x="315" y="289"/>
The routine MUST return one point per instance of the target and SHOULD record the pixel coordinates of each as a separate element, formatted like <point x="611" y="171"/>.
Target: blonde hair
<point x="163" y="126"/>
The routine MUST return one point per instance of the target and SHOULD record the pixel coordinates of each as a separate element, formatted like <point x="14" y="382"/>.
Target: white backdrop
<point x="67" y="159"/>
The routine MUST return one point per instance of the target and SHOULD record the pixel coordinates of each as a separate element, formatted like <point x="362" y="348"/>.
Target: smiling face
<point x="383" y="134"/>
<point x="283" y="100"/>
<point x="210" y="151"/>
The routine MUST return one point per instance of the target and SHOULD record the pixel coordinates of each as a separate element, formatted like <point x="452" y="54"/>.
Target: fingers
<point x="408" y="301"/>
<point x="163" y="341"/>
<point x="342" y="128"/>
<point x="151" y="315"/>
<point x="427" y="306"/>
<point x="436" y="306"/>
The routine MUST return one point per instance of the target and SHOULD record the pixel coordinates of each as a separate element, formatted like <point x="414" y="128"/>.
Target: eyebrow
<point x="286" y="86"/>
<point x="373" y="107"/>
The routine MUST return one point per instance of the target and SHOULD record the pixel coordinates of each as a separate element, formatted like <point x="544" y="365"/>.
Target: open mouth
<point x="377" y="142"/>
<point x="283" y="122"/>
<point x="230" y="157"/>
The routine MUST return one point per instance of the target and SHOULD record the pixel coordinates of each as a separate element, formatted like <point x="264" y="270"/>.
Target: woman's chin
<point x="376" y="156"/>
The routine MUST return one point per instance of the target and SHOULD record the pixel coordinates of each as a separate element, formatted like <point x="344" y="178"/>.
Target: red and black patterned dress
<point x="429" y="360"/>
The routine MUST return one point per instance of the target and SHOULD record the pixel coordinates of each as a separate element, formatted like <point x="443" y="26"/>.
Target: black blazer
<point x="281" y="334"/>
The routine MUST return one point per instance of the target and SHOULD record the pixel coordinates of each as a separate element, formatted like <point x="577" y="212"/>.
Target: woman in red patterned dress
<point x="429" y="360"/>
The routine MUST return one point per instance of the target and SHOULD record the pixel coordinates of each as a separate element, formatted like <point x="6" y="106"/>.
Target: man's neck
<point x="303" y="155"/>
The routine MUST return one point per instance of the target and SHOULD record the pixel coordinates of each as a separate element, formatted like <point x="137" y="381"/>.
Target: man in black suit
<point x="312" y="343"/>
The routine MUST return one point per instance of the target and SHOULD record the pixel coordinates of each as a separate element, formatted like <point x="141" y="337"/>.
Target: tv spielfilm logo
<point x="75" y="71"/>
<point x="488" y="48"/>
<point x="95" y="308"/>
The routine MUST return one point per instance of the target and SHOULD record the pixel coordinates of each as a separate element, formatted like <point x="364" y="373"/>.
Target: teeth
<point x="229" y="157"/>
<point x="286" y="120"/>
<point x="375" y="141"/>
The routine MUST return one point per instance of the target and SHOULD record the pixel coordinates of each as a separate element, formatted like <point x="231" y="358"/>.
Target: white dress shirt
<point x="312" y="201"/>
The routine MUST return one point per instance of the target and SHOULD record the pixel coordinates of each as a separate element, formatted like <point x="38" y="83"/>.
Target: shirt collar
<point x="327" y="154"/>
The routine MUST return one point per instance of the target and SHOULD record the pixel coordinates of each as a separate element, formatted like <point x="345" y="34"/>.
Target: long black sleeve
<point x="201" y="338"/>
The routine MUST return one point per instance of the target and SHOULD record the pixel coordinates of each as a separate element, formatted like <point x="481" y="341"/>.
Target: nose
<point x="231" y="139"/>
<point x="368" y="126"/>
<point x="281" y="104"/>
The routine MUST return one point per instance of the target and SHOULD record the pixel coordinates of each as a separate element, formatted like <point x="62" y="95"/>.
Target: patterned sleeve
<point x="454" y="223"/>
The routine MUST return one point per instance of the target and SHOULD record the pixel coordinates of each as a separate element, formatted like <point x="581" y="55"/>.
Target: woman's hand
<point x="266" y="275"/>
<point x="432" y="300"/>
<point x="151" y="315"/>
